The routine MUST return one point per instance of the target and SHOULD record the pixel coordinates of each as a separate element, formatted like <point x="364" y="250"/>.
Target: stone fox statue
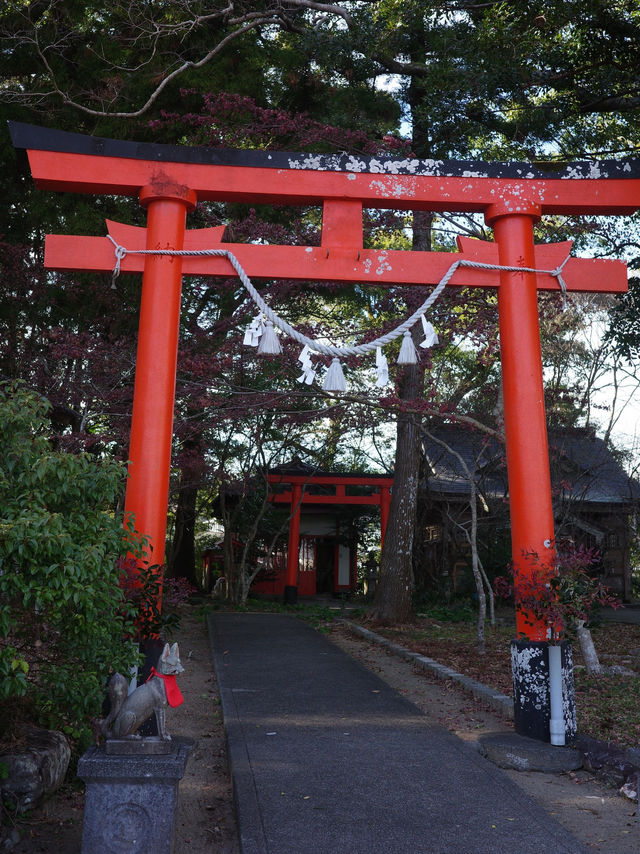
<point x="130" y="712"/>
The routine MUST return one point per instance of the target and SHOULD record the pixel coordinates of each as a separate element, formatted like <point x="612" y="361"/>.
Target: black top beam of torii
<point x="26" y="136"/>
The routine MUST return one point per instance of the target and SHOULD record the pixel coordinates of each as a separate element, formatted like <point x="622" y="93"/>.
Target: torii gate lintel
<point x="332" y="261"/>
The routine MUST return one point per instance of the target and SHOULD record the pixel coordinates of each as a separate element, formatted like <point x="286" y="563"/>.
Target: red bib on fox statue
<point x="174" y="694"/>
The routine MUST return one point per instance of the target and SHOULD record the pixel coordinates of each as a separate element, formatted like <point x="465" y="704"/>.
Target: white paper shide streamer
<point x="253" y="332"/>
<point x="308" y="374"/>
<point x="430" y="337"/>
<point x="382" y="368"/>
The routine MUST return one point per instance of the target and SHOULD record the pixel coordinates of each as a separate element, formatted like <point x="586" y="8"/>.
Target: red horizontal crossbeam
<point x="337" y="481"/>
<point x="89" y="173"/>
<point x="338" y="263"/>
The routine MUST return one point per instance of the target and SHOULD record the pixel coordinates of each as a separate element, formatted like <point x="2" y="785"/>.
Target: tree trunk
<point x="183" y="549"/>
<point x="591" y="660"/>
<point x="471" y="536"/>
<point x="475" y="566"/>
<point x="393" y="598"/>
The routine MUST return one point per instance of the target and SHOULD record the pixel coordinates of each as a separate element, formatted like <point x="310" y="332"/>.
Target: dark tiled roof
<point x="582" y="467"/>
<point x="592" y="471"/>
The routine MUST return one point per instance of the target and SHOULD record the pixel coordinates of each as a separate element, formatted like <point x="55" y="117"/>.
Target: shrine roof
<point x="583" y="468"/>
<point x="315" y="479"/>
<point x="33" y="137"/>
<point x="297" y="467"/>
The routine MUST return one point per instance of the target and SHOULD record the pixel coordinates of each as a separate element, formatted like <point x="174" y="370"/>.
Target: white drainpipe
<point x="556" y="724"/>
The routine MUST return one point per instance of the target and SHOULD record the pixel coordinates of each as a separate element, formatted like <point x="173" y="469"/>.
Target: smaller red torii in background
<point x="296" y="494"/>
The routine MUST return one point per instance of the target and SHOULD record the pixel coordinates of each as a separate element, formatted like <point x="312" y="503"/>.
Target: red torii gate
<point x="297" y="494"/>
<point x="169" y="180"/>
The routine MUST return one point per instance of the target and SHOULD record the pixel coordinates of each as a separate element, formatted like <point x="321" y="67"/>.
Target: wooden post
<point x="532" y="531"/>
<point x="293" y="548"/>
<point x="385" y="504"/>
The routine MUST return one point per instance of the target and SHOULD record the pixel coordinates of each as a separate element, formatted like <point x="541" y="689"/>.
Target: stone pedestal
<point x="131" y="801"/>
<point x="531" y="698"/>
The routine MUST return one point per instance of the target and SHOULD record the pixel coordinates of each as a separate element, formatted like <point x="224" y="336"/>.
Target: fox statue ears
<point x="169" y="651"/>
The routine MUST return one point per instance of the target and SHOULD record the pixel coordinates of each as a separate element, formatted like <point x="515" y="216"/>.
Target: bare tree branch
<point x="327" y="8"/>
<point x="161" y="48"/>
<point x="471" y="535"/>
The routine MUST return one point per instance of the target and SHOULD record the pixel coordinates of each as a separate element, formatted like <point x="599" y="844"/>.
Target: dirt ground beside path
<point x="205" y="824"/>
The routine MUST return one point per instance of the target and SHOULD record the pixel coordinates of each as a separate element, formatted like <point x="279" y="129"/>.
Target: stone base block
<point x="290" y="595"/>
<point x="531" y="698"/>
<point x="510" y="750"/>
<point x="150" y="746"/>
<point x="131" y="801"/>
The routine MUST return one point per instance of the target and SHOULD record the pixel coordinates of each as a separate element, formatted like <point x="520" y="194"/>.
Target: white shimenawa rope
<point x="327" y="349"/>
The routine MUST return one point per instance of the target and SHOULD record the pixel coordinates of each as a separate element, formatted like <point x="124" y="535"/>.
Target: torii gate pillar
<point x="293" y="547"/>
<point x="154" y="390"/>
<point x="525" y="424"/>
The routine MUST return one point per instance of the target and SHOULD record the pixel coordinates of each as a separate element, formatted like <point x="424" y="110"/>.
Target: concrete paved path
<point x="327" y="758"/>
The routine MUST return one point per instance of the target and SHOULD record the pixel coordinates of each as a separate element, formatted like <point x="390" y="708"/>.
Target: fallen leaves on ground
<point x="607" y="706"/>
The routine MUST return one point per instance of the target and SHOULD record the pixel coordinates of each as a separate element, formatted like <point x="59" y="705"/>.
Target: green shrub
<point x="63" y="618"/>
